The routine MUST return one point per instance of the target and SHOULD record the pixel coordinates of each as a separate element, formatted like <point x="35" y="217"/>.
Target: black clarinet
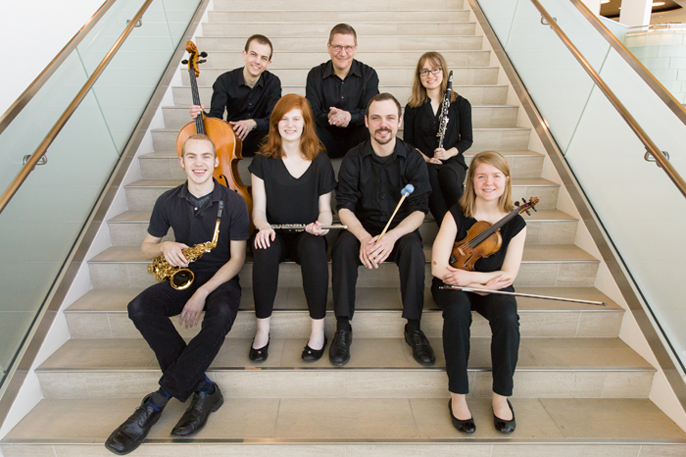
<point x="443" y="118"/>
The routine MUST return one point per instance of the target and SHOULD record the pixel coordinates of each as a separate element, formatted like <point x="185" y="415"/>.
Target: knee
<point x="346" y="245"/>
<point x="136" y="309"/>
<point x="457" y="315"/>
<point x="222" y="317"/>
<point x="506" y="321"/>
<point x="311" y="246"/>
<point x="410" y="246"/>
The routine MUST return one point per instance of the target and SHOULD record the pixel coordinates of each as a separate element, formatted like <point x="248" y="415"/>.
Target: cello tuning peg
<point x="516" y="203"/>
<point x="528" y="213"/>
<point x="524" y="200"/>
<point x="534" y="208"/>
<point x="202" y="61"/>
<point x="203" y="54"/>
<point x="185" y="62"/>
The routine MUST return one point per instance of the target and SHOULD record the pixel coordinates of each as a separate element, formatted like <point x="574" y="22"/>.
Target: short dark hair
<point x="262" y="40"/>
<point x="343" y="29"/>
<point x="383" y="96"/>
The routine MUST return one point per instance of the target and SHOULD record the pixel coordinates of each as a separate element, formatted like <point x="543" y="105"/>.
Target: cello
<point x="225" y="140"/>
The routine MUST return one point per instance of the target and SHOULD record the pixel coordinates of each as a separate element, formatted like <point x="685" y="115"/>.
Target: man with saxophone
<point x="368" y="195"/>
<point x="197" y="211"/>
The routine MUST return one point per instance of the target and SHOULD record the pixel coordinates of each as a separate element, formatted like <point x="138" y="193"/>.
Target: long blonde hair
<point x="419" y="95"/>
<point x="468" y="200"/>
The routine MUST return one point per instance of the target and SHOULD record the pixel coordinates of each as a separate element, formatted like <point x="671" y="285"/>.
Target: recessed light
<point x="604" y="1"/>
<point x="658" y="3"/>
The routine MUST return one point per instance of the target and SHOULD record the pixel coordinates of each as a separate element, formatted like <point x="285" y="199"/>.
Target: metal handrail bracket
<point x="26" y="96"/>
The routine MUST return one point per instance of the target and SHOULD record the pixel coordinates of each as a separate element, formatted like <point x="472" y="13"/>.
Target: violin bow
<point x="407" y="190"/>
<point x="519" y="294"/>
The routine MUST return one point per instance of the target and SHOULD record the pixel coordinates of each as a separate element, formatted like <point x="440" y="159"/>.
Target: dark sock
<point x="206" y="385"/>
<point x="412" y="325"/>
<point x="159" y="399"/>
<point x="343" y="323"/>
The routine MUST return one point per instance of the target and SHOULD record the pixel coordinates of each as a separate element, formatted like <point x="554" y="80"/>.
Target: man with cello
<point x="247" y="94"/>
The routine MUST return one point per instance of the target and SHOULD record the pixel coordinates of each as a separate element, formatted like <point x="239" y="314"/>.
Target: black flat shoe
<point x="464" y="426"/>
<point x="312" y="355"/>
<point x="502" y="425"/>
<point x="339" y="351"/>
<point x="195" y="417"/>
<point x="261" y="354"/>
<point x="129" y="435"/>
<point x="421" y="349"/>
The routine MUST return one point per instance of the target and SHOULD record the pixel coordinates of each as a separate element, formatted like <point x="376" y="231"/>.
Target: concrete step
<point x="318" y="32"/>
<point x="482" y="116"/>
<point x="336" y="5"/>
<point x="476" y="74"/>
<point x="276" y="426"/>
<point x="337" y="16"/>
<point x="101" y="313"/>
<point x="546" y="368"/>
<point x="477" y="95"/>
<point x="542" y="266"/>
<point x="485" y="139"/>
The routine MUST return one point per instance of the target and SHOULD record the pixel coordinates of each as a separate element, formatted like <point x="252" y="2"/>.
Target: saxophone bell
<point x="181" y="279"/>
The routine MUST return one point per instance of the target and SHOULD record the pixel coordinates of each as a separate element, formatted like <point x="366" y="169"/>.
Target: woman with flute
<point x="487" y="197"/>
<point x="292" y="181"/>
<point x="446" y="164"/>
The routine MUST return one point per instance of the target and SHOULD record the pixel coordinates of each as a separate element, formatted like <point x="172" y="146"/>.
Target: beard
<point x="387" y="140"/>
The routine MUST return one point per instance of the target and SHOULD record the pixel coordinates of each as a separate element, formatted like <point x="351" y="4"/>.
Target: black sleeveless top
<point x="508" y="231"/>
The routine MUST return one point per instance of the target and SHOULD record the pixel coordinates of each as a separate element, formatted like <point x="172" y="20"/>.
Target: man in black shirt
<point x="370" y="180"/>
<point x="338" y="91"/>
<point x="247" y="94"/>
<point x="191" y="210"/>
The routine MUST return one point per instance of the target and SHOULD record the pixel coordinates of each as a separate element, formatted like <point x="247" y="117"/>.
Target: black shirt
<point x="242" y="102"/>
<point x="421" y="126"/>
<point x="291" y="200"/>
<point x="369" y="185"/>
<point x="174" y="209"/>
<point x="508" y="231"/>
<point x="325" y="90"/>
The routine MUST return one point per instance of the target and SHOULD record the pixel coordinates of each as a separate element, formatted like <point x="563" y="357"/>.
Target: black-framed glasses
<point x="433" y="71"/>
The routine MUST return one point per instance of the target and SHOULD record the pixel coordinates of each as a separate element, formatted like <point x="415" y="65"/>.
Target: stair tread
<point x="357" y="420"/>
<point x="605" y="354"/>
<point x="368" y="299"/>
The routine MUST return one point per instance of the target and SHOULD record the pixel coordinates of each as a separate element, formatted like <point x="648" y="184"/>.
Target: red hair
<point x="309" y="142"/>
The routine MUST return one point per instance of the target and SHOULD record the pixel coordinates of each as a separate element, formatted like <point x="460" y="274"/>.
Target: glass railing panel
<point x="41" y="223"/>
<point x="642" y="210"/>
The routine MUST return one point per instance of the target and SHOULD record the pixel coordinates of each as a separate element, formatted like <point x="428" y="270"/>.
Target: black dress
<point x="499" y="310"/>
<point x="292" y="201"/>
<point x="420" y="129"/>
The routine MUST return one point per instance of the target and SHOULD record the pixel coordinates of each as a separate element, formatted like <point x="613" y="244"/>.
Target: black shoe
<point x="261" y="354"/>
<point x="129" y="435"/>
<point x="195" y="417"/>
<point x="464" y="426"/>
<point x="504" y="426"/>
<point x="312" y="355"/>
<point x="339" y="351"/>
<point x="421" y="349"/>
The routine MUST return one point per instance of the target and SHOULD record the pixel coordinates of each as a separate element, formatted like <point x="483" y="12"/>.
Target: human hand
<point x="499" y="282"/>
<point x="264" y="236"/>
<point x="457" y="277"/>
<point x="242" y="128"/>
<point x="173" y="253"/>
<point x="196" y="110"/>
<point x="339" y="117"/>
<point x="190" y="315"/>
<point x="363" y="252"/>
<point x="314" y="228"/>
<point x="378" y="250"/>
<point x="442" y="154"/>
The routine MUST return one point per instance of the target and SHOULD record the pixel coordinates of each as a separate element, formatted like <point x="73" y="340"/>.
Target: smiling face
<point x="199" y="161"/>
<point x="291" y="125"/>
<point x="383" y="121"/>
<point x="342" y="50"/>
<point x="489" y="182"/>
<point x="431" y="80"/>
<point x="257" y="58"/>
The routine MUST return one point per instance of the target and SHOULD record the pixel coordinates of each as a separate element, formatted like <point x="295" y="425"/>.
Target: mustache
<point x="384" y="129"/>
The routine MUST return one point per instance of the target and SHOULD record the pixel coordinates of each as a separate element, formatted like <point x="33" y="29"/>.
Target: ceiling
<point x="611" y="9"/>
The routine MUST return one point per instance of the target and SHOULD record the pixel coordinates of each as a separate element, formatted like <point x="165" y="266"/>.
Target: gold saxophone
<point x="182" y="278"/>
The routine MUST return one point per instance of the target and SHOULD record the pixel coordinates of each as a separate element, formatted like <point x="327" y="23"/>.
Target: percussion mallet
<point x="407" y="190"/>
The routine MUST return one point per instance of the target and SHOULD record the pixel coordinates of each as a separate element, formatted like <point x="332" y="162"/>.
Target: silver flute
<point x="445" y="106"/>
<point x="301" y="227"/>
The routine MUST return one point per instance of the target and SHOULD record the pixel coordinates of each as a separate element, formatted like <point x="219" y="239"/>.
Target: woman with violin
<point x="292" y="182"/>
<point x="488" y="200"/>
<point x="446" y="164"/>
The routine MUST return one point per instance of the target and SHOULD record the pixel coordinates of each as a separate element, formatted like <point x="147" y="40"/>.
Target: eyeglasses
<point x="338" y="48"/>
<point x="433" y="71"/>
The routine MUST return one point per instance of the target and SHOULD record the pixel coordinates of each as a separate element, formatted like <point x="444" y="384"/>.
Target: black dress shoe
<point x="195" y="417"/>
<point x="421" y="349"/>
<point x="312" y="355"/>
<point x="129" y="435"/>
<point x="339" y="351"/>
<point x="261" y="354"/>
<point x="464" y="426"/>
<point x="504" y="426"/>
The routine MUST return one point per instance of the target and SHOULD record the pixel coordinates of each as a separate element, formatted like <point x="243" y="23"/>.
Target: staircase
<point x="579" y="389"/>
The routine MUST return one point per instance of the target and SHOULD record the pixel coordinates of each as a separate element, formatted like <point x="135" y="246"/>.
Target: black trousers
<point x="252" y="142"/>
<point x="446" y="188"/>
<point x="501" y="313"/>
<point x="407" y="253"/>
<point x="306" y="250"/>
<point x="338" y="141"/>
<point x="183" y="365"/>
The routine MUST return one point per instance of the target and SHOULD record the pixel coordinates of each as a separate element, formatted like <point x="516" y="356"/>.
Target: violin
<point x="483" y="239"/>
<point x="225" y="140"/>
